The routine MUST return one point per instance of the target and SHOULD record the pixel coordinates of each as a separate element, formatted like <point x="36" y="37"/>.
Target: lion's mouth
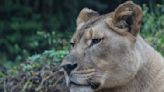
<point x="77" y="84"/>
<point x="75" y="87"/>
<point x="93" y="85"/>
<point x="81" y="81"/>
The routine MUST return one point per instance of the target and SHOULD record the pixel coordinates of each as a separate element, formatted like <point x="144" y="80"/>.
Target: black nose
<point x="69" y="67"/>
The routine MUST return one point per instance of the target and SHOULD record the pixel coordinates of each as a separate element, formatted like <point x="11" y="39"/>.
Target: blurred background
<point x="31" y="27"/>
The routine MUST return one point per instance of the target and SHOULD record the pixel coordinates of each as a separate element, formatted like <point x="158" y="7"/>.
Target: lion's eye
<point x="96" y="41"/>
<point x="72" y="44"/>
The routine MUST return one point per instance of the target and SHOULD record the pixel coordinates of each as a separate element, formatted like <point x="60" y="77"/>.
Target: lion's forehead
<point x="95" y="24"/>
<point x="94" y="21"/>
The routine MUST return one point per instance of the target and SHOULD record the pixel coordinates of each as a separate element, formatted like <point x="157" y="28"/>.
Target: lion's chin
<point x="77" y="88"/>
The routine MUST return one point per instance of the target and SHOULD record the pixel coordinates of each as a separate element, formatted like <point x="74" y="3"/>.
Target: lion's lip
<point x="77" y="84"/>
<point x="93" y="85"/>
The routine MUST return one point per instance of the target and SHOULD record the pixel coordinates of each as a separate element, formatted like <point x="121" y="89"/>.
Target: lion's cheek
<point x="102" y="64"/>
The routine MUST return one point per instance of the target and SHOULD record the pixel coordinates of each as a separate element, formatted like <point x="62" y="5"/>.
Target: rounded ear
<point x="128" y="15"/>
<point x="85" y="15"/>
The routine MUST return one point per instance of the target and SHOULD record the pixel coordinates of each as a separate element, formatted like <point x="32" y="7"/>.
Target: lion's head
<point x="103" y="53"/>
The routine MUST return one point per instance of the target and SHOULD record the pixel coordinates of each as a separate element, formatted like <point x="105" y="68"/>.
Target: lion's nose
<point x="69" y="67"/>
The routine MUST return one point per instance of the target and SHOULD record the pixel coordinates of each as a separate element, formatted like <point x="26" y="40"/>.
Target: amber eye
<point x="96" y="41"/>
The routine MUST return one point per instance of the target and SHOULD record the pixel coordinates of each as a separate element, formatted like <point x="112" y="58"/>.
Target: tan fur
<point x="121" y="62"/>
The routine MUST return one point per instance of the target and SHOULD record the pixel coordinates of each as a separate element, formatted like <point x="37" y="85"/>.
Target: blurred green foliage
<point x="153" y="27"/>
<point x="29" y="27"/>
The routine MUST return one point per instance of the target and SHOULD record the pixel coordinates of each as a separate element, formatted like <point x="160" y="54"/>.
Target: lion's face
<point x="103" y="53"/>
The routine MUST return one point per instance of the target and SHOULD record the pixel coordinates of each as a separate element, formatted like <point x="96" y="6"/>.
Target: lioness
<point x="109" y="55"/>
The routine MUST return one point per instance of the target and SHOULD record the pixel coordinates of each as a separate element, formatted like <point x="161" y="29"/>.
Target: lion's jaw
<point x="75" y="88"/>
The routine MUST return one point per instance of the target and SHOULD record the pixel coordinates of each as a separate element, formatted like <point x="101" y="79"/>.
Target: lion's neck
<point x="150" y="77"/>
<point x="148" y="54"/>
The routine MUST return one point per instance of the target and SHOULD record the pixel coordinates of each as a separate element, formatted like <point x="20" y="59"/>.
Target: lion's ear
<point x="85" y="15"/>
<point x="128" y="15"/>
